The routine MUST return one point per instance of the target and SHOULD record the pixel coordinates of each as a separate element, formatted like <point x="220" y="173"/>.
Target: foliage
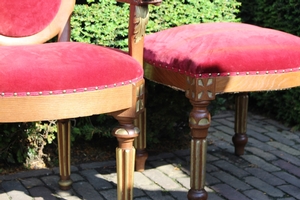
<point x="281" y="15"/>
<point x="277" y="14"/>
<point x="22" y="142"/>
<point x="93" y="24"/>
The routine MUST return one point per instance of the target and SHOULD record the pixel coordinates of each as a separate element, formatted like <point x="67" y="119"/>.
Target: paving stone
<point x="176" y="161"/>
<point x="156" y="192"/>
<point x="229" y="192"/>
<point x="31" y="182"/>
<point x="210" y="158"/>
<point x="42" y="192"/>
<point x="86" y="191"/>
<point x="257" y="135"/>
<point x="265" y="155"/>
<point x="182" y="152"/>
<point x="161" y="179"/>
<point x="112" y="193"/>
<point x="260" y="163"/>
<point x="172" y="171"/>
<point x="4" y="196"/>
<point x="73" y="169"/>
<point x="288" y="178"/>
<point x="96" y="179"/>
<point x="291" y="135"/>
<point x="76" y="177"/>
<point x="51" y="181"/>
<point x="291" y="190"/>
<point x="286" y="156"/>
<point x="142" y="198"/>
<point x="221" y="133"/>
<point x="26" y="174"/>
<point x="140" y="180"/>
<point x="288" y="167"/>
<point x="210" y="180"/>
<point x="264" y="187"/>
<point x="276" y="123"/>
<point x="185" y="182"/>
<point x="256" y="194"/>
<point x="231" y="180"/>
<point x="227" y="123"/>
<point x="279" y="137"/>
<point x="15" y="190"/>
<point x="260" y="145"/>
<point x="232" y="169"/>
<point x="285" y="148"/>
<point x="263" y="175"/>
<point x="66" y="193"/>
<point x="180" y="193"/>
<point x="255" y="128"/>
<point x="211" y="168"/>
<point x="214" y="196"/>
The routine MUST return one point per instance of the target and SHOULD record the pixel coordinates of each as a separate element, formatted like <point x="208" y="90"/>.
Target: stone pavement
<point x="270" y="169"/>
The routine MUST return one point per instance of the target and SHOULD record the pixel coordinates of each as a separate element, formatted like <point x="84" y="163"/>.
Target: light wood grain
<point x="227" y="84"/>
<point x="52" y="107"/>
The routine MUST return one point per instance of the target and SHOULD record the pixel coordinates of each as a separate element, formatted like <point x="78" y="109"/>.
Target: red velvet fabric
<point x="63" y="67"/>
<point x="222" y="49"/>
<point x="26" y="17"/>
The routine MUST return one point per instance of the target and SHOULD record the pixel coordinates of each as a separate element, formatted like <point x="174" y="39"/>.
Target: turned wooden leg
<point x="241" y="110"/>
<point x="125" y="155"/>
<point x="64" y="153"/>
<point x="199" y="122"/>
<point x="140" y="143"/>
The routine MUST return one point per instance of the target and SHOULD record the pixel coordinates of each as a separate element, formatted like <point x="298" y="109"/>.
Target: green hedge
<point x="281" y="15"/>
<point x="93" y="23"/>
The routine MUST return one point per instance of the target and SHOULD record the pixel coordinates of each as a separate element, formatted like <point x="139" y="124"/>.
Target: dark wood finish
<point x="241" y="110"/>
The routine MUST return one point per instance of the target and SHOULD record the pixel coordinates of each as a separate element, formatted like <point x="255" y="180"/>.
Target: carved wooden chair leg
<point x="140" y="142"/>
<point x="125" y="155"/>
<point x="241" y="110"/>
<point x="199" y="122"/>
<point x="64" y="153"/>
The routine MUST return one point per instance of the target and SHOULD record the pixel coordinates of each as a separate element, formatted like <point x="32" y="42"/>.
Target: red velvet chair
<point x="58" y="81"/>
<point x="212" y="58"/>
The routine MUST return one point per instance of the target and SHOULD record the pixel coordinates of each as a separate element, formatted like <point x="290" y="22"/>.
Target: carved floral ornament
<point x="141" y="21"/>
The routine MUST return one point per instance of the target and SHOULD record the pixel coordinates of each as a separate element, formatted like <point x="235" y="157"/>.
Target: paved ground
<point x="270" y="169"/>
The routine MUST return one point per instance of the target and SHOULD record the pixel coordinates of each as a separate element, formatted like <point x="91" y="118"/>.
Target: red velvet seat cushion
<point x="63" y="67"/>
<point x="16" y="16"/>
<point x="222" y="49"/>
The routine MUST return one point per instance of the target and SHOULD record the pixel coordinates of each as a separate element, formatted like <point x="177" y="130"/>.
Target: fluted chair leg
<point x="199" y="122"/>
<point x="64" y="153"/>
<point x="240" y="137"/>
<point x="140" y="143"/>
<point x="125" y="155"/>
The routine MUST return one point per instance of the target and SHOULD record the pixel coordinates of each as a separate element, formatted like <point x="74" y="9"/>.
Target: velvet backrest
<point x="32" y="21"/>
